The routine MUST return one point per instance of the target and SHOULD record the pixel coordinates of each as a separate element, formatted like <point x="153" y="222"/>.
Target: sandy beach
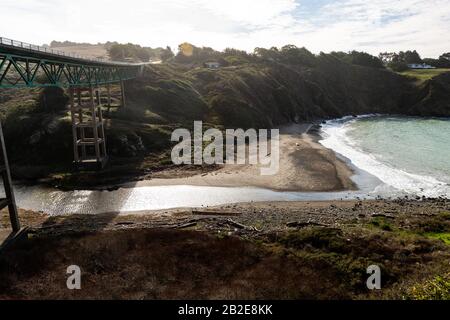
<point x="305" y="165"/>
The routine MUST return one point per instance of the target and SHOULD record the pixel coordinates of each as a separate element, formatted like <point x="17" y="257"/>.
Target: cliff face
<point x="432" y="98"/>
<point x="268" y="93"/>
<point x="257" y="94"/>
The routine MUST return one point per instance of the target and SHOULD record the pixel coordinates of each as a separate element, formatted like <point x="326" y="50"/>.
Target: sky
<point x="373" y="26"/>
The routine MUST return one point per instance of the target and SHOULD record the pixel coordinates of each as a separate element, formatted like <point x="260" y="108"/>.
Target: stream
<point x="147" y="198"/>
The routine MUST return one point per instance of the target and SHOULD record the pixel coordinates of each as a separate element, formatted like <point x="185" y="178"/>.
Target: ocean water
<point x="409" y="155"/>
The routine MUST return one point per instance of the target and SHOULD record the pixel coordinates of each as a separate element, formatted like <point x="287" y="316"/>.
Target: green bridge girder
<point x="21" y="68"/>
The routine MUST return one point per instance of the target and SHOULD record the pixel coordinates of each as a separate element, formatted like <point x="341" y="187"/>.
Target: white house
<point x="420" y="66"/>
<point x="212" y="65"/>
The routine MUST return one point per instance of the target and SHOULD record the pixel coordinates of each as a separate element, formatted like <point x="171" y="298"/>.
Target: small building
<point x="212" y="65"/>
<point x="420" y="66"/>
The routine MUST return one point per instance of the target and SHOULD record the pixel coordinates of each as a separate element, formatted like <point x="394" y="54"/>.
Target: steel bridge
<point x="27" y="65"/>
<point x="23" y="65"/>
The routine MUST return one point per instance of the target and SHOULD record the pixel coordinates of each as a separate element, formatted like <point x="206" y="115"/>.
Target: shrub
<point x="52" y="99"/>
<point x="398" y="66"/>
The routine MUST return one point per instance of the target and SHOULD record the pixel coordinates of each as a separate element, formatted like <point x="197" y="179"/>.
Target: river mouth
<point x="142" y="199"/>
<point x="147" y="198"/>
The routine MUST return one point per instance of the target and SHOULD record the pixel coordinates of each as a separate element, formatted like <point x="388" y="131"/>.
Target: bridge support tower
<point x="9" y="200"/>
<point x="122" y="91"/>
<point x="89" y="141"/>
<point x="18" y="233"/>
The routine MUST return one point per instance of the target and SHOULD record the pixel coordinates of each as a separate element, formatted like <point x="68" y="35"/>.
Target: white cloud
<point x="381" y="25"/>
<point x="373" y="26"/>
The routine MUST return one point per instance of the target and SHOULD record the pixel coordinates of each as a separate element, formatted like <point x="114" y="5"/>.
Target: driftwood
<point x="214" y="213"/>
<point x="240" y="225"/>
<point x="186" y="225"/>
<point x="298" y="224"/>
<point x="124" y="223"/>
<point x="382" y="215"/>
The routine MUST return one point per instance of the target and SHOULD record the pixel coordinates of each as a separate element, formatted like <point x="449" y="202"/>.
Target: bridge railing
<point x="32" y="47"/>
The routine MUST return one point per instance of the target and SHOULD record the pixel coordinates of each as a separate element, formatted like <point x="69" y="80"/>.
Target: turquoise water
<point x="408" y="154"/>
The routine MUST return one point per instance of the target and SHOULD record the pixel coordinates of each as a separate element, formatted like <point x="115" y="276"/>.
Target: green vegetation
<point x="347" y="252"/>
<point x="360" y="58"/>
<point x="398" y="62"/>
<point x="442" y="62"/>
<point x="425" y="74"/>
<point x="435" y="289"/>
<point x="288" y="54"/>
<point x="437" y="228"/>
<point x="260" y="90"/>
<point x="132" y="52"/>
<point x="321" y="238"/>
<point x="38" y="134"/>
<point x="57" y="44"/>
<point x="443" y="236"/>
<point x="190" y="54"/>
<point x="398" y="66"/>
<point x="382" y="223"/>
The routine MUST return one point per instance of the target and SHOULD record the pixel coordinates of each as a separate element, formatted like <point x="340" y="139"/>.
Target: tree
<point x="236" y="57"/>
<point x="409" y="57"/>
<point x="442" y="62"/>
<point x="167" y="54"/>
<point x="122" y="52"/>
<point x="269" y="54"/>
<point x="289" y="54"/>
<point x="387" y="57"/>
<point x="142" y="55"/>
<point x="359" y="58"/>
<point x="294" y="55"/>
<point x="235" y="52"/>
<point x="344" y="56"/>
<point x="188" y="53"/>
<point x="445" y="56"/>
<point x="117" y="52"/>
<point x="52" y="99"/>
<point x="365" y="59"/>
<point x="398" y="66"/>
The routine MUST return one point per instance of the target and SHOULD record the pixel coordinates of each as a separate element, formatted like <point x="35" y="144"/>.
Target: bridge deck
<point x="27" y="65"/>
<point x="19" y="48"/>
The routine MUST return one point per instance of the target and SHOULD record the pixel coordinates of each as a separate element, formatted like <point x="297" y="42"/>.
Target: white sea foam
<point x="335" y="137"/>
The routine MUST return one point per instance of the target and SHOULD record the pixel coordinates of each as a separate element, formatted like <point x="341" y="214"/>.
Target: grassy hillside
<point x="432" y="97"/>
<point x="38" y="134"/>
<point x="245" y="92"/>
<point x="425" y="74"/>
<point x="265" y="94"/>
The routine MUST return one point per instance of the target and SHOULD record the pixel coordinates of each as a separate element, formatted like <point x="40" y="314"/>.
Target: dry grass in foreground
<point x="307" y="262"/>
